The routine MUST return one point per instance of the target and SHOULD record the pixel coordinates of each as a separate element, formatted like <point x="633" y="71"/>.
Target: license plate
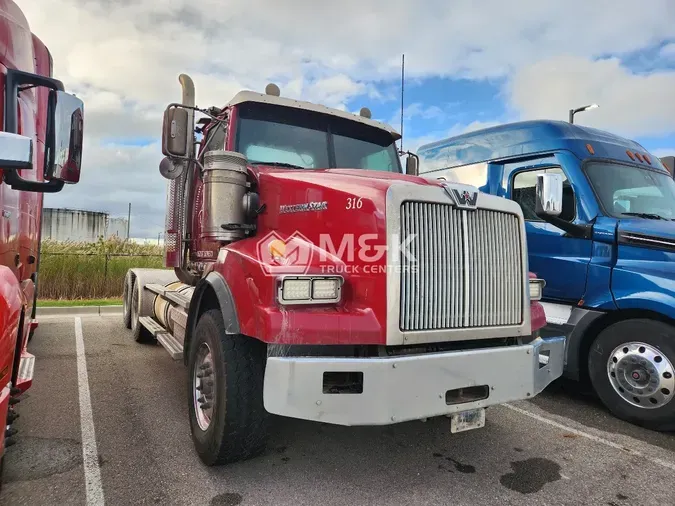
<point x="467" y="420"/>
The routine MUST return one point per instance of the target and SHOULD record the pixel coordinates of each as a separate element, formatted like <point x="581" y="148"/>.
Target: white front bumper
<point x="398" y="389"/>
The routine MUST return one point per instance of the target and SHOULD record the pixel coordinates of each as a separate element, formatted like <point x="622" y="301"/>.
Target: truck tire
<point x="126" y="300"/>
<point x="631" y="367"/>
<point x="228" y="420"/>
<point x="138" y="331"/>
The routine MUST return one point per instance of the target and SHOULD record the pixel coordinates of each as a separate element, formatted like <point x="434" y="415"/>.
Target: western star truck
<point x="602" y="235"/>
<point x="309" y="277"/>
<point x="40" y="151"/>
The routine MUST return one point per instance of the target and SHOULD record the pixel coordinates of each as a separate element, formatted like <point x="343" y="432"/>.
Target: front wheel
<point x="631" y="367"/>
<point x="228" y="421"/>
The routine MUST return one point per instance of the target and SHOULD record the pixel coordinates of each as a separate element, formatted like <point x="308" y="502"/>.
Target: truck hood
<point x="643" y="232"/>
<point x="339" y="178"/>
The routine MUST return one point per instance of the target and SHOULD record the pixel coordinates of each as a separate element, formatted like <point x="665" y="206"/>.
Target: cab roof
<point x="514" y="140"/>
<point x="252" y="96"/>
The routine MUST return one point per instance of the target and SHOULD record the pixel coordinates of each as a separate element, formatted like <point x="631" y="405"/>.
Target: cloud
<point x="668" y="51"/>
<point x="114" y="176"/>
<point x="630" y="104"/>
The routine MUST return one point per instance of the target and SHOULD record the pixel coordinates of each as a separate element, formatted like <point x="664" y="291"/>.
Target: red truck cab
<point x="314" y="279"/>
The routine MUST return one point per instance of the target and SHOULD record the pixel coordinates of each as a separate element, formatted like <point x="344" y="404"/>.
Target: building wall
<point x="80" y="226"/>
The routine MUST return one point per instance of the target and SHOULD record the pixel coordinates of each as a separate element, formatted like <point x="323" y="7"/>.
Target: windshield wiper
<point x="279" y="164"/>
<point x="648" y="216"/>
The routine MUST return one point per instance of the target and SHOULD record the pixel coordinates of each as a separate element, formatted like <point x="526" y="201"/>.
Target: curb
<point x="78" y="310"/>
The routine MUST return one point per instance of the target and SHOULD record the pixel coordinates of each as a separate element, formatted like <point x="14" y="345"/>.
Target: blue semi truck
<point x="600" y="222"/>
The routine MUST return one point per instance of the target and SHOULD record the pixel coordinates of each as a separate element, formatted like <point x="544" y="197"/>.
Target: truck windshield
<point x="626" y="190"/>
<point x="308" y="140"/>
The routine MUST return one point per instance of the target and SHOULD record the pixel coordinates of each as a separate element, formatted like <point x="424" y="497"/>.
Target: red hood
<point x="340" y="178"/>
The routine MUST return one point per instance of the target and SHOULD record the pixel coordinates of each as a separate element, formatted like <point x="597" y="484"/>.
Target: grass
<point x="91" y="271"/>
<point x="78" y="302"/>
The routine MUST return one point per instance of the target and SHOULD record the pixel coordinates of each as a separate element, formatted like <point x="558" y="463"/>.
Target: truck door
<point x="553" y="255"/>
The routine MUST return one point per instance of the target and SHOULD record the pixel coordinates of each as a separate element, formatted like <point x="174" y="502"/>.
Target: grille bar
<point x="461" y="269"/>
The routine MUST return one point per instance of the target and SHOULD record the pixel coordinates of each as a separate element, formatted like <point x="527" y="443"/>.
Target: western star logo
<point x="308" y="206"/>
<point x="466" y="198"/>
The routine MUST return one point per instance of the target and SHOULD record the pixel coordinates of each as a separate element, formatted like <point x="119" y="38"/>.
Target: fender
<point x="215" y="282"/>
<point x="657" y="302"/>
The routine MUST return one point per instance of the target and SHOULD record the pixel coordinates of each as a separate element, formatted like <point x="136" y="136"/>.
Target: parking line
<point x="92" y="471"/>
<point x="606" y="442"/>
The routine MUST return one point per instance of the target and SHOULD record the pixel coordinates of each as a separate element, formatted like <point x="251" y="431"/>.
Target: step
<point x="171" y="344"/>
<point x="155" y="288"/>
<point x="153" y="327"/>
<point x="177" y="298"/>
<point x="26" y="369"/>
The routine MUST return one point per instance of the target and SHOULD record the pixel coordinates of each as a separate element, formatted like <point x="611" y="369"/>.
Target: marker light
<point x="639" y="156"/>
<point x="590" y="149"/>
<point x="536" y="288"/>
<point x="647" y="159"/>
<point x="630" y="155"/>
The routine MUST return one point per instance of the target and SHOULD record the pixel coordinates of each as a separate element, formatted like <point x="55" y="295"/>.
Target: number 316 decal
<point x="354" y="203"/>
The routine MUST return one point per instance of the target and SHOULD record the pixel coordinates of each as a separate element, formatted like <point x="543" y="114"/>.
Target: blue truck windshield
<point x="307" y="140"/>
<point x="626" y="190"/>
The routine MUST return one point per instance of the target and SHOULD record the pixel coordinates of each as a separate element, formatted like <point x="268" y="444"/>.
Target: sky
<point x="468" y="65"/>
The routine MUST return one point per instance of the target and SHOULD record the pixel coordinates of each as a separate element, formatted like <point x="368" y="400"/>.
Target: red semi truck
<point x="310" y="277"/>
<point x="40" y="151"/>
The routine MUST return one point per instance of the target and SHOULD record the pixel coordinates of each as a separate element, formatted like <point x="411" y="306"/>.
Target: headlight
<point x="536" y="288"/>
<point x="310" y="289"/>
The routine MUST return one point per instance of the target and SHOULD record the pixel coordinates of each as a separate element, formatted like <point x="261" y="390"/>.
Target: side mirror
<point x="176" y="132"/>
<point x="68" y="135"/>
<point x="412" y="165"/>
<point x="669" y="163"/>
<point x="62" y="137"/>
<point x="549" y="193"/>
<point x="16" y="152"/>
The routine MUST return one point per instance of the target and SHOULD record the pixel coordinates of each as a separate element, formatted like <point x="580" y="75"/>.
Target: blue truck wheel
<point x="631" y="366"/>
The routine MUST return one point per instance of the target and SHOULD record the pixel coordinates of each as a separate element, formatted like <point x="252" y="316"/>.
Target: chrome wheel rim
<point x="642" y="375"/>
<point x="203" y="387"/>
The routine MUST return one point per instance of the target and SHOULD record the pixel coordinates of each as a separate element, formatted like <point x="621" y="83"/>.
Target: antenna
<point x="402" y="87"/>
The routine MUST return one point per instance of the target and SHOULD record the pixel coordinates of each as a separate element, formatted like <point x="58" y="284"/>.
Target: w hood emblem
<point x="464" y="197"/>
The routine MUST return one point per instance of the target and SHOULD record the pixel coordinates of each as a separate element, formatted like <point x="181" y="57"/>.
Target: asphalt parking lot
<point x="109" y="425"/>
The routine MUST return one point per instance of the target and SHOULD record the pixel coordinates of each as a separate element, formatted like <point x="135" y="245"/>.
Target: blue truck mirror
<point x="549" y="194"/>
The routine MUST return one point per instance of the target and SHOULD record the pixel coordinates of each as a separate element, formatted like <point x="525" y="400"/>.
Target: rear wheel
<point x="225" y="393"/>
<point x="138" y="331"/>
<point x="126" y="300"/>
<point x="631" y="365"/>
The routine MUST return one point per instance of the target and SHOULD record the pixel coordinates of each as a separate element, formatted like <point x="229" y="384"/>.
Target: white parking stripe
<point x="92" y="471"/>
<point x="606" y="442"/>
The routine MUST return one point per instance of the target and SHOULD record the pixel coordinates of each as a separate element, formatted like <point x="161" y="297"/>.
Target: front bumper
<point x="405" y="388"/>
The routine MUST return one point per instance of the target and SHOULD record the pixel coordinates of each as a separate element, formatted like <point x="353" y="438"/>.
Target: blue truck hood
<point x="657" y="229"/>
<point x="652" y="233"/>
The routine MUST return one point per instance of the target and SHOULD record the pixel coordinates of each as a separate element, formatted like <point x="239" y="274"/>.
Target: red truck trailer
<point x="40" y="151"/>
<point x="309" y="277"/>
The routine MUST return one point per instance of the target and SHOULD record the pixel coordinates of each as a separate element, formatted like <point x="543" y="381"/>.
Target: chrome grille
<point x="461" y="269"/>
